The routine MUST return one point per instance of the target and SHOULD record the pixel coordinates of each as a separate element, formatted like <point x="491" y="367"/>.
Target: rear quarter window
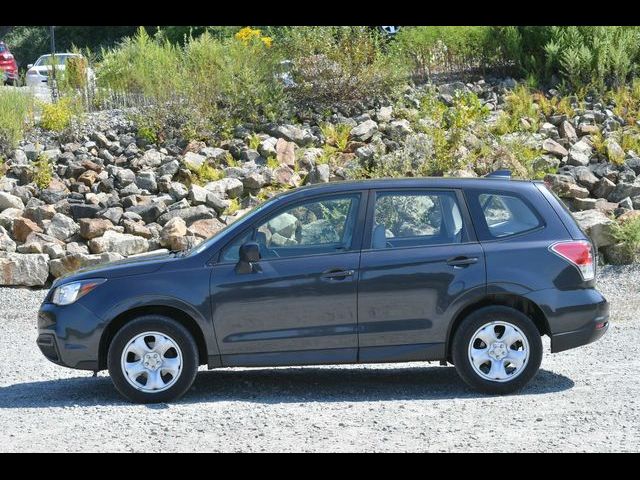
<point x="503" y="214"/>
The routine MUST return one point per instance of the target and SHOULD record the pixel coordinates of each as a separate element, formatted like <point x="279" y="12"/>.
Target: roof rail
<point x="502" y="173"/>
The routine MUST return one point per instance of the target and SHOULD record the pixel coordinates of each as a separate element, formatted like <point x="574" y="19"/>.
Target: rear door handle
<point x="335" y="273"/>
<point x="462" y="261"/>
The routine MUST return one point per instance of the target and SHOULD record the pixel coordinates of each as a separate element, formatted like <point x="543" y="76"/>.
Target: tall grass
<point x="16" y="116"/>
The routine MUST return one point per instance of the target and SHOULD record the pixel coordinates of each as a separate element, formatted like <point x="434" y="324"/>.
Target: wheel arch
<point x="175" y="313"/>
<point x="512" y="300"/>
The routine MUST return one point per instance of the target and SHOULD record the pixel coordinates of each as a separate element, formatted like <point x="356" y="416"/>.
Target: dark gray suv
<point x="469" y="271"/>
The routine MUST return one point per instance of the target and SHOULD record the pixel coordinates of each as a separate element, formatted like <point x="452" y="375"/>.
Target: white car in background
<point x="38" y="73"/>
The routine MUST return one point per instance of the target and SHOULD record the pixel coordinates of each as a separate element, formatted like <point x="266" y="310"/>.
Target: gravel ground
<point x="582" y="400"/>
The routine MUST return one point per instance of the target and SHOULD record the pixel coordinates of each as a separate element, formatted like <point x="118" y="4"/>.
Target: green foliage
<point x="339" y="67"/>
<point x="519" y="106"/>
<point x="336" y="135"/>
<point x="43" y="172"/>
<point x="254" y="141"/>
<point x="205" y="173"/>
<point x="626" y="100"/>
<point x="234" y="206"/>
<point x="57" y="116"/>
<point x="16" y="116"/>
<point x="628" y="233"/>
<point x="272" y="162"/>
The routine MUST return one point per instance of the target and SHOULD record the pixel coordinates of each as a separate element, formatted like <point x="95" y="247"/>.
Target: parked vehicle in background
<point x="8" y="65"/>
<point x="38" y="73"/>
<point x="469" y="271"/>
<point x="389" y="30"/>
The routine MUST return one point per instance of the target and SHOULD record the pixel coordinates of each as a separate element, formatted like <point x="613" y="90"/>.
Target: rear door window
<point x="505" y="214"/>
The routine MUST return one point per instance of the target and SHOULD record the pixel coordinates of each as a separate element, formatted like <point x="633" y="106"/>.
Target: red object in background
<point x="8" y="63"/>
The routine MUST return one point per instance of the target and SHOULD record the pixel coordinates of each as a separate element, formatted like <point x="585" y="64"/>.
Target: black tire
<point x="467" y="329"/>
<point x="163" y="325"/>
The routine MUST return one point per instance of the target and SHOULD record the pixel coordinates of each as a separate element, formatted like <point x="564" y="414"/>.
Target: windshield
<point x="46" y="60"/>
<point x="207" y="243"/>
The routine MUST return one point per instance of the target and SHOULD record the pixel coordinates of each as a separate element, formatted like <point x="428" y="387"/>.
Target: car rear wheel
<point x="497" y="350"/>
<point x="153" y="359"/>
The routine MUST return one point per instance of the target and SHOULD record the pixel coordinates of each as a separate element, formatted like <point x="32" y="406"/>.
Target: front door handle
<point x="462" y="261"/>
<point x="337" y="273"/>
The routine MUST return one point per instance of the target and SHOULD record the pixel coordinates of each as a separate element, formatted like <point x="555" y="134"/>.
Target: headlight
<point x="69" y="293"/>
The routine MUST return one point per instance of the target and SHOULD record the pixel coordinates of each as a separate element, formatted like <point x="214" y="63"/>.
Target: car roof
<point x="413" y="182"/>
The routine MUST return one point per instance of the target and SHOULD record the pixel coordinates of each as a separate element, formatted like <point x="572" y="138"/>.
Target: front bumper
<point x="574" y="317"/>
<point x="69" y="335"/>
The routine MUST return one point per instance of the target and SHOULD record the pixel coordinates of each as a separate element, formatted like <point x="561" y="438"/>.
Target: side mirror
<point x="29" y="65"/>
<point x="249" y="254"/>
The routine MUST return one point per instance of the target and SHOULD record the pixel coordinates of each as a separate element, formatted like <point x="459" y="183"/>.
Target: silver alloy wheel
<point x="499" y="351"/>
<point x="151" y="362"/>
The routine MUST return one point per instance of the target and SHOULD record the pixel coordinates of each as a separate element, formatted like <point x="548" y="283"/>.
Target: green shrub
<point x="519" y="105"/>
<point x="16" y="116"/>
<point x="628" y="233"/>
<point x="336" y="135"/>
<point x="57" y="116"/>
<point x="234" y="206"/>
<point x="206" y="173"/>
<point x="43" y="172"/>
<point x="339" y="67"/>
<point x="254" y="141"/>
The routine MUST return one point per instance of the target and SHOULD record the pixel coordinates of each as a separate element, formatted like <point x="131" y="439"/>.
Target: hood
<point x="121" y="268"/>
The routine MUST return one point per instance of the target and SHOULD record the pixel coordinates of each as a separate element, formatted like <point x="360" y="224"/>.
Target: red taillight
<point x="579" y="253"/>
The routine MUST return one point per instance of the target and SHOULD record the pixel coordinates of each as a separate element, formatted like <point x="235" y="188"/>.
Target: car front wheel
<point x="153" y="359"/>
<point x="497" y="350"/>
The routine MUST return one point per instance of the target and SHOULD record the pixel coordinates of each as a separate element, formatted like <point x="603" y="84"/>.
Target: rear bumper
<point x="574" y="317"/>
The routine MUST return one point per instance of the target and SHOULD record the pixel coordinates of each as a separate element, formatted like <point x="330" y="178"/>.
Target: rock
<point x="364" y="131"/>
<point x="75" y="247"/>
<point x="79" y="211"/>
<point x="587" y="129"/>
<point x="619" y="254"/>
<point x="123" y="243"/>
<point x="10" y="201"/>
<point x="549" y="130"/>
<point x="585" y="178"/>
<point x="567" y="131"/>
<point x="584" y="203"/>
<point x="399" y="129"/>
<point x="149" y="212"/>
<point x="23" y="227"/>
<point x="268" y="148"/>
<point x="603" y="188"/>
<point x="254" y="181"/>
<point x="285" y="152"/>
<point x="198" y="195"/>
<point x="8" y="216"/>
<point x="606" y="207"/>
<point x="623" y="190"/>
<point x="628" y="216"/>
<point x="189" y="215"/>
<point x="231" y="187"/>
<point x="30" y="270"/>
<point x="452" y="88"/>
<point x="205" y="228"/>
<point x="94" y="227"/>
<point x="174" y="229"/>
<point x="615" y="153"/>
<point x="147" y="181"/>
<point x="580" y="153"/>
<point x="62" y="227"/>
<point x="385" y="114"/>
<point x="169" y="168"/>
<point x="178" y="191"/>
<point x="113" y="214"/>
<point x="214" y="153"/>
<point x="294" y="134"/>
<point x="124" y="177"/>
<point x="554" y="148"/>
<point x="249" y="155"/>
<point x="6" y="243"/>
<point x="88" y="178"/>
<point x="151" y="158"/>
<point x="546" y="163"/>
<point x="286" y="176"/>
<point x="597" y="225"/>
<point x="73" y="262"/>
<point x="40" y="213"/>
<point x="37" y="243"/>
<point x="55" y="192"/>
<point x="634" y="164"/>
<point x="319" y="174"/>
<point x="137" y="228"/>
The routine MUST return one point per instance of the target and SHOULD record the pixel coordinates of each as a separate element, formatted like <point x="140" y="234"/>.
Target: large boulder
<point x="205" y="228"/>
<point x="597" y="225"/>
<point x="624" y="190"/>
<point x="363" y="131"/>
<point x="122" y="243"/>
<point x="554" y="148"/>
<point x="31" y="270"/>
<point x="62" y="227"/>
<point x="70" y="263"/>
<point x="300" y="136"/>
<point x="10" y="201"/>
<point x="172" y="232"/>
<point x="231" y="187"/>
<point x="580" y="153"/>
<point x="23" y="227"/>
<point x="6" y="242"/>
<point x="94" y="227"/>
<point x="189" y="214"/>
